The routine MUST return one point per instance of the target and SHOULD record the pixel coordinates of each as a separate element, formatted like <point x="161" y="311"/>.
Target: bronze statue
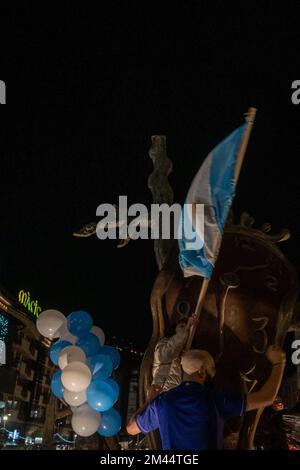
<point x="248" y="305"/>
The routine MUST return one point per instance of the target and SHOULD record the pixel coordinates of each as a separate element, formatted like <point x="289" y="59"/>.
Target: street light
<point x="5" y="418"/>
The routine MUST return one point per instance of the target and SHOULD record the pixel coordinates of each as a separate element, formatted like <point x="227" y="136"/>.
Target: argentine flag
<point x="202" y="226"/>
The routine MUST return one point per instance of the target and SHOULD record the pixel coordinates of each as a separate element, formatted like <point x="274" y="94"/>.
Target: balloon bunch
<point x="85" y="365"/>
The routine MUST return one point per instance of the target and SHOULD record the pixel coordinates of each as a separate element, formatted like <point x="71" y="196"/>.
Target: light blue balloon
<point x="79" y="323"/>
<point x="56" y="349"/>
<point x="57" y="387"/>
<point x="110" y="423"/>
<point x="100" y="395"/>
<point x="101" y="366"/>
<point x="90" y="344"/>
<point x="113" y="353"/>
<point x="115" y="387"/>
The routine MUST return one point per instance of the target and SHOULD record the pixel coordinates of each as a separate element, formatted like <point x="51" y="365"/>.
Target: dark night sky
<point x="87" y="89"/>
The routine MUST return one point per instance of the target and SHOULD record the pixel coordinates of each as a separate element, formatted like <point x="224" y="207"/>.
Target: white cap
<point x="195" y="359"/>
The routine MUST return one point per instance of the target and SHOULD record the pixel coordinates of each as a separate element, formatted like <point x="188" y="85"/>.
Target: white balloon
<point x="85" y="421"/>
<point x="99" y="333"/>
<point x="74" y="398"/>
<point x="70" y="354"/>
<point x="76" y="376"/>
<point x="65" y="335"/>
<point x="71" y="338"/>
<point x="63" y="331"/>
<point x="49" y="322"/>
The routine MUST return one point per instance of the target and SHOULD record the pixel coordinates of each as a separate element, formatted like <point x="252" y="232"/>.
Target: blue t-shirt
<point x="191" y="416"/>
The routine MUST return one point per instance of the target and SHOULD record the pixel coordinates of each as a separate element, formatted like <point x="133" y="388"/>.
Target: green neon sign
<point x="31" y="305"/>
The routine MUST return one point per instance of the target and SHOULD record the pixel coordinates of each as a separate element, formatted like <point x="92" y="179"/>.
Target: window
<point x="18" y="338"/>
<point x="23" y="411"/>
<point x="32" y="347"/>
<point x="12" y="404"/>
<point x="24" y="391"/>
<point x="34" y="414"/>
<point x="28" y="369"/>
<point x="46" y="398"/>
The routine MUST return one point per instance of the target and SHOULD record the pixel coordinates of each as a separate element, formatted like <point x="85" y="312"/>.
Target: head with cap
<point x="198" y="365"/>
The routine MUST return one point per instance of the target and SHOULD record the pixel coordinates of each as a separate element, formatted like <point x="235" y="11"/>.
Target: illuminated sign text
<point x="31" y="305"/>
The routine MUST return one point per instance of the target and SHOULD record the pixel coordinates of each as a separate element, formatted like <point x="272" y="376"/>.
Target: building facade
<point x="29" y="413"/>
<point x="24" y="377"/>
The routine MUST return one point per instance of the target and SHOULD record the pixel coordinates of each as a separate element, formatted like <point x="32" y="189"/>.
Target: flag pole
<point x="250" y="117"/>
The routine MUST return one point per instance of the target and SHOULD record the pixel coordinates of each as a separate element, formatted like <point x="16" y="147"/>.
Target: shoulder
<point x="229" y="403"/>
<point x="166" y="396"/>
<point x="219" y="394"/>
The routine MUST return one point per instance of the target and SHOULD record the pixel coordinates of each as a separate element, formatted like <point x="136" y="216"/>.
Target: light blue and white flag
<point x="213" y="187"/>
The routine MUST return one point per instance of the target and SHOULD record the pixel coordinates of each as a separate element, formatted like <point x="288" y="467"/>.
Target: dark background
<point x="86" y="89"/>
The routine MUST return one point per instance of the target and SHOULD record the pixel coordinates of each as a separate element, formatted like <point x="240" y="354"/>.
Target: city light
<point x="3" y="327"/>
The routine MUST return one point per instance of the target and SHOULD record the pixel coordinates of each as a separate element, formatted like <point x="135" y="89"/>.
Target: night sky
<point x="87" y="88"/>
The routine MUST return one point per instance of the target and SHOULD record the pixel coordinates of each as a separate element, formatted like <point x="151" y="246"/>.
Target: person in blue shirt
<point x="191" y="416"/>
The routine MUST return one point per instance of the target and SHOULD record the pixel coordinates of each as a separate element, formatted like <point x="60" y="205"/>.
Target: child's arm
<point x="169" y="349"/>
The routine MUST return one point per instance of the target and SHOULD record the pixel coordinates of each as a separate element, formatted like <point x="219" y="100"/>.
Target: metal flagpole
<point x="250" y="117"/>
